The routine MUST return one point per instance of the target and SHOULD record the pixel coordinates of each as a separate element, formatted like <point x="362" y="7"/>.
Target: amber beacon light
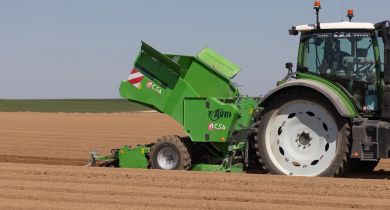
<point x="317" y="5"/>
<point x="350" y="14"/>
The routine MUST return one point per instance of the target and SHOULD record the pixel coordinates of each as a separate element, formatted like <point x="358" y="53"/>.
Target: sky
<point x="52" y="49"/>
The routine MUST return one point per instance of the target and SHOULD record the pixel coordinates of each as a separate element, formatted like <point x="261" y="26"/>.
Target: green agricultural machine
<point x="330" y="116"/>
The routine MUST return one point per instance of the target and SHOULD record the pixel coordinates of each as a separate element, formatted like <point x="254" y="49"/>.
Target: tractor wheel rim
<point x="167" y="158"/>
<point x="301" y="138"/>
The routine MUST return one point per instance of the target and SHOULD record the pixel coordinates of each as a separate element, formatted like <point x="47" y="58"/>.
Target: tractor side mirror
<point x="293" y="31"/>
<point x="289" y="66"/>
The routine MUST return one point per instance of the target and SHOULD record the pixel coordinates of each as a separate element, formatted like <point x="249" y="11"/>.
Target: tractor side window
<point x="348" y="59"/>
<point x="337" y="52"/>
<point x="314" y="54"/>
<point x="351" y="57"/>
<point x="365" y="61"/>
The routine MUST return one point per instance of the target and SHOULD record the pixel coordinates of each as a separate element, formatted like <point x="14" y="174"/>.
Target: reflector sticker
<point x="135" y="78"/>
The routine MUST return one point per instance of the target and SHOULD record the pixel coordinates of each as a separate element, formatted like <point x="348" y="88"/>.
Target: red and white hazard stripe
<point x="135" y="77"/>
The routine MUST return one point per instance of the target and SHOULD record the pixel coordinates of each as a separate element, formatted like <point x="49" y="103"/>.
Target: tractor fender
<point x="332" y="96"/>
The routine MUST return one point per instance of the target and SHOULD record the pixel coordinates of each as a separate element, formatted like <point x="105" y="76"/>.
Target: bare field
<point x="68" y="138"/>
<point x="37" y="147"/>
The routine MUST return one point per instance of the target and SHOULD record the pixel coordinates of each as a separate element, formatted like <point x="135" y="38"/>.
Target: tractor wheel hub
<point x="304" y="138"/>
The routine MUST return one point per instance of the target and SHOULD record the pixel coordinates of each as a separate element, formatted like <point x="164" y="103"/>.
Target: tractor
<point x="329" y="116"/>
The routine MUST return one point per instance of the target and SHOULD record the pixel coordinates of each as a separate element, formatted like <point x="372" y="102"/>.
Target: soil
<point x="42" y="154"/>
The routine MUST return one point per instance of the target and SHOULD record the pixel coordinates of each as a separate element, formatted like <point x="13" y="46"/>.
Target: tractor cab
<point x="346" y="53"/>
<point x="350" y="54"/>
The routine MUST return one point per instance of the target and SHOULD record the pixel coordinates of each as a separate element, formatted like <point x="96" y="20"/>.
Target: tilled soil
<point x="68" y="138"/>
<point x="48" y="187"/>
<point x="45" y="152"/>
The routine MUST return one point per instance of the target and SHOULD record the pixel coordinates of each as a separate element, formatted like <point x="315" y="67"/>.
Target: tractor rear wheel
<point x="170" y="153"/>
<point x="301" y="133"/>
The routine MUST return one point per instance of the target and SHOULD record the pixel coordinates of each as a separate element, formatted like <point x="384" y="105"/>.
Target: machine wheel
<point x="301" y="133"/>
<point x="170" y="153"/>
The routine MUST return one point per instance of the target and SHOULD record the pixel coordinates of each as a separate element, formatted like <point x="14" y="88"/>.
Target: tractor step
<point x="371" y="140"/>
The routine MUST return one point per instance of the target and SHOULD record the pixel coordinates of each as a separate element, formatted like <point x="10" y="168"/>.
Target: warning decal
<point x="135" y="78"/>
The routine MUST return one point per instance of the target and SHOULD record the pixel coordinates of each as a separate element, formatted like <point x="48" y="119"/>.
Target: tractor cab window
<point x="346" y="58"/>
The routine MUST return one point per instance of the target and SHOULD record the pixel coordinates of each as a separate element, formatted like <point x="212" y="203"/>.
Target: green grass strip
<point x="71" y="105"/>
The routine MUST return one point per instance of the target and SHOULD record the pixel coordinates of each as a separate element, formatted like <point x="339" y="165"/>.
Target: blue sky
<point x="83" y="49"/>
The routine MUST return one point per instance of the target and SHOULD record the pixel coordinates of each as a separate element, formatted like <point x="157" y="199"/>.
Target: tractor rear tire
<point x="170" y="153"/>
<point x="301" y="133"/>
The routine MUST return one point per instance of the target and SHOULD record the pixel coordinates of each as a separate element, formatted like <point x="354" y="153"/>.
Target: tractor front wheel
<point x="170" y="153"/>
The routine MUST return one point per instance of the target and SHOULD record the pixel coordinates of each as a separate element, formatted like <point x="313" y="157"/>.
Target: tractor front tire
<point x="170" y="153"/>
<point x="301" y="133"/>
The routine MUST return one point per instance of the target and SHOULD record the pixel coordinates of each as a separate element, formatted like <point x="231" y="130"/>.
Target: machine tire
<point x="334" y="164"/>
<point x="170" y="153"/>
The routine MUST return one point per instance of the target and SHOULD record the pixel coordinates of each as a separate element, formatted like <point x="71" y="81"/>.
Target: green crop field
<point x="70" y="105"/>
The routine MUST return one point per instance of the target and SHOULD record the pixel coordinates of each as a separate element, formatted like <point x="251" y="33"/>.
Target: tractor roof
<point x="336" y="25"/>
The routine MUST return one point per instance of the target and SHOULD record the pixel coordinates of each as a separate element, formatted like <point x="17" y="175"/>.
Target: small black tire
<point x="170" y="153"/>
<point x="339" y="162"/>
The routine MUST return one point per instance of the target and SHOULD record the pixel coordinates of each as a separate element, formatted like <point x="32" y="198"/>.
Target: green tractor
<point x="330" y="116"/>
